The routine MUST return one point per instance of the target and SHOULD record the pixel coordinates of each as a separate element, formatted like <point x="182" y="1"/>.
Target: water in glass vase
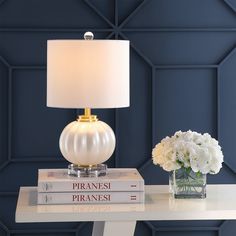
<point x="185" y="183"/>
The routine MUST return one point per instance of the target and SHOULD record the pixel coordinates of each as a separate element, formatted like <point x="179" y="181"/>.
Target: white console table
<point x="120" y="219"/>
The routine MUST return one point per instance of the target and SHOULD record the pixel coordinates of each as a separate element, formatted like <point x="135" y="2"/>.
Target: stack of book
<point x="55" y="186"/>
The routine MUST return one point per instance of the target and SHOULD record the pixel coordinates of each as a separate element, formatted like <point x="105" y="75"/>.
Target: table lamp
<point x="87" y="74"/>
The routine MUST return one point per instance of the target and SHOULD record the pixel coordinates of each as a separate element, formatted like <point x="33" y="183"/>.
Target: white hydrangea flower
<point x="200" y="152"/>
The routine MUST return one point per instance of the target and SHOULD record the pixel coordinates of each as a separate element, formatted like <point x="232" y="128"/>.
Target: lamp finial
<point x="88" y="35"/>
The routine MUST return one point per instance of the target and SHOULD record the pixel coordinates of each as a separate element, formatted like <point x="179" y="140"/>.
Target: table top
<point x="159" y="205"/>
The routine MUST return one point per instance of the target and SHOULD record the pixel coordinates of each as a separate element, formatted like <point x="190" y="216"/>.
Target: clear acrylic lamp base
<point x="86" y="143"/>
<point x="87" y="171"/>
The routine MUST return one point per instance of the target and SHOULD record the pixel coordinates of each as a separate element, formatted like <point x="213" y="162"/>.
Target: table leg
<point x="114" y="228"/>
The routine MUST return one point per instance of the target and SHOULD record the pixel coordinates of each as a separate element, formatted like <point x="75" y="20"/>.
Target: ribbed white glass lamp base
<point x="87" y="144"/>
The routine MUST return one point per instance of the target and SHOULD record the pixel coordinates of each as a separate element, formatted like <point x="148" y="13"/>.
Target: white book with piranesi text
<point x="117" y="179"/>
<point x="90" y="197"/>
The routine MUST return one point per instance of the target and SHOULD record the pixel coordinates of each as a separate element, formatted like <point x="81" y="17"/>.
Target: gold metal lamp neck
<point x="87" y="116"/>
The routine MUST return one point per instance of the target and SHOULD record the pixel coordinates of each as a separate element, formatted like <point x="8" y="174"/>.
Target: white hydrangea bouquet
<point x="193" y="153"/>
<point x="201" y="152"/>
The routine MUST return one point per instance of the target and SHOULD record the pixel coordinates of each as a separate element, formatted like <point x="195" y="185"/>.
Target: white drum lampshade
<point x="87" y="74"/>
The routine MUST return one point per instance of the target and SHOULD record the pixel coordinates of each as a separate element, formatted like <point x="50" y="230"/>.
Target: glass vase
<point x="185" y="183"/>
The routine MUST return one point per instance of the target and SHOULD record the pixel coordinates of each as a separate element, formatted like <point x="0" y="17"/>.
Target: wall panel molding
<point x="231" y="4"/>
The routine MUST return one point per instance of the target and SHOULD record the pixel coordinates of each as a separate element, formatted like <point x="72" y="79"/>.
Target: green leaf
<point x="198" y="174"/>
<point x="188" y="170"/>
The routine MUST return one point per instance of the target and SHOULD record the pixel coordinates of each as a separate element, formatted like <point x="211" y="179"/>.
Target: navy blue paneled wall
<point x="183" y="67"/>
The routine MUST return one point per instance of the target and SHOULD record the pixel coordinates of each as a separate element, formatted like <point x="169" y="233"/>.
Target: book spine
<point x="86" y="198"/>
<point x="86" y="186"/>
